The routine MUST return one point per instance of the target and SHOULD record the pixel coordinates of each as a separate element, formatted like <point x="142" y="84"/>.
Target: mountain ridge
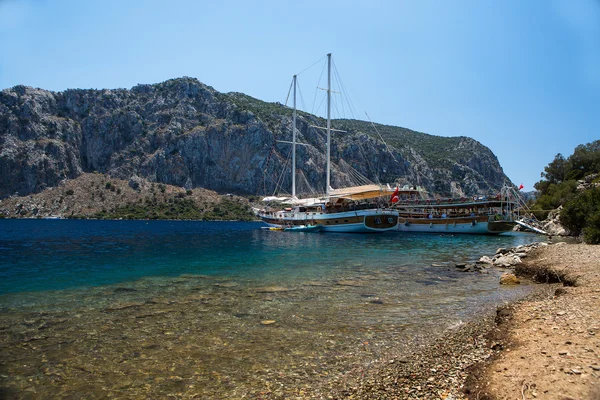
<point x="185" y="133"/>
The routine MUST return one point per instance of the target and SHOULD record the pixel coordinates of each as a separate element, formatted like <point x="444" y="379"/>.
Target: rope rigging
<point x="344" y="109"/>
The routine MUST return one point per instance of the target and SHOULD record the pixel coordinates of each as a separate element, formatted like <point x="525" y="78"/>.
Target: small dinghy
<point x="304" y="228"/>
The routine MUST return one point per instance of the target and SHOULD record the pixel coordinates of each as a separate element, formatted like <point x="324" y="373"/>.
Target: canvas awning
<point x="275" y="198"/>
<point x="361" y="192"/>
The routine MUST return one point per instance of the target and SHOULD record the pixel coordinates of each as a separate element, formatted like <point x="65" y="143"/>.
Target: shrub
<point x="70" y="192"/>
<point x="554" y="196"/>
<point x="591" y="233"/>
<point x="559" y="186"/>
<point x="582" y="214"/>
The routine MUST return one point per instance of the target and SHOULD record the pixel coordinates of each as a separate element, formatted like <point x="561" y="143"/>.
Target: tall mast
<point x="328" y="122"/>
<point x="294" y="145"/>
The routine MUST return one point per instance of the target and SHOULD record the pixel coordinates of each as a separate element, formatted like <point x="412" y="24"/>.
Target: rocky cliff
<point x="184" y="133"/>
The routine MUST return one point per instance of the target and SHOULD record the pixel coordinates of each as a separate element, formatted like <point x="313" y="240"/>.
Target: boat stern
<point x="381" y="222"/>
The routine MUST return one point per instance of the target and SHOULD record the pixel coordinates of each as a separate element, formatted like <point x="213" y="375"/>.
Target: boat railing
<point x="450" y="200"/>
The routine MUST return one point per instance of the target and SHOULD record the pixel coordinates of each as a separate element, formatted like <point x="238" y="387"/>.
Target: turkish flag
<point x="521" y="186"/>
<point x="394" y="198"/>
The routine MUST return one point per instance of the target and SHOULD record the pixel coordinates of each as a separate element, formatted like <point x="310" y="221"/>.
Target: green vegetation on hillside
<point x="439" y="151"/>
<point x="581" y="209"/>
<point x="269" y="113"/>
<point x="180" y="209"/>
<point x="230" y="210"/>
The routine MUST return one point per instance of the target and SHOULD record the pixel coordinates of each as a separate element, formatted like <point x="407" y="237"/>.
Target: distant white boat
<point x="53" y="217"/>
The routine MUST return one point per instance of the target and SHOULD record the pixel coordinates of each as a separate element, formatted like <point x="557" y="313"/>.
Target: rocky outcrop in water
<point x="184" y="133"/>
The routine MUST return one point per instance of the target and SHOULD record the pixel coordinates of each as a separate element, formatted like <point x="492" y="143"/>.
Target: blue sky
<point x="521" y="77"/>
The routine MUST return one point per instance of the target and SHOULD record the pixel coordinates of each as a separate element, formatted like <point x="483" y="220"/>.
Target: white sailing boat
<point x="349" y="209"/>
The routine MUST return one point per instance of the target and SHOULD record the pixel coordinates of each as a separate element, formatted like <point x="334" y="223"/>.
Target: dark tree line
<point x="559" y="187"/>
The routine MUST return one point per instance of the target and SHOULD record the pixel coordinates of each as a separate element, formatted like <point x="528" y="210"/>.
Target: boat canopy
<point x="275" y="198"/>
<point x="361" y="192"/>
<point x="294" y="201"/>
<point x="311" y="201"/>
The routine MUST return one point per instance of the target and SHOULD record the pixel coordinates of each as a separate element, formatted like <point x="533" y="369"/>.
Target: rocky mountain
<point x="184" y="133"/>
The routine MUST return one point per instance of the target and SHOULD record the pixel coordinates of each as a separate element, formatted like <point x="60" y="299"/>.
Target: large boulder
<point x="552" y="224"/>
<point x="506" y="261"/>
<point x="509" y="279"/>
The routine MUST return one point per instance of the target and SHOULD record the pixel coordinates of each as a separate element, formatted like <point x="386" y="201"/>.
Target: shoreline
<point x="445" y="367"/>
<point x="454" y="363"/>
<point x="548" y="346"/>
<point x="512" y="353"/>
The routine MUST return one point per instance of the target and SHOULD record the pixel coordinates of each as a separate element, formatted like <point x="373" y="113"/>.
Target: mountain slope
<point x="184" y="133"/>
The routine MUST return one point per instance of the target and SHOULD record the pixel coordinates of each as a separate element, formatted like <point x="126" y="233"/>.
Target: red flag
<point x="521" y="186"/>
<point x="394" y="198"/>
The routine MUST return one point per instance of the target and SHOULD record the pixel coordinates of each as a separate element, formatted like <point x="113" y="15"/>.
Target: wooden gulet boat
<point x="342" y="212"/>
<point x="349" y="210"/>
<point x="477" y="215"/>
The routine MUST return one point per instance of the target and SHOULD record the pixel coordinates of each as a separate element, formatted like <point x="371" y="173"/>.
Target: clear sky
<point x="521" y="77"/>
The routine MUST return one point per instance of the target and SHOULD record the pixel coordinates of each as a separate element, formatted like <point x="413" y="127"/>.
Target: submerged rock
<point x="349" y="282"/>
<point x="124" y="290"/>
<point x="509" y="279"/>
<point x="227" y="284"/>
<point x="273" y="289"/>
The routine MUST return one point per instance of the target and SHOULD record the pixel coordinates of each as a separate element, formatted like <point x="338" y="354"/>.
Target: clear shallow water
<point x="39" y="255"/>
<point x="104" y="307"/>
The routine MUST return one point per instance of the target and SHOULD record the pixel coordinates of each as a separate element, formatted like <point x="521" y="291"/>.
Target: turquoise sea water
<point x="145" y="309"/>
<point x="42" y="255"/>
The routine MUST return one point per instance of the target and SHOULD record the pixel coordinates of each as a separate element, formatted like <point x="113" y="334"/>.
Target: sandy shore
<point x="548" y="347"/>
<point x="544" y="347"/>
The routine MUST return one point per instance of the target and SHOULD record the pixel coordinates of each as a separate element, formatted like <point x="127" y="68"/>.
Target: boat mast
<point x="328" y="122"/>
<point x="294" y="145"/>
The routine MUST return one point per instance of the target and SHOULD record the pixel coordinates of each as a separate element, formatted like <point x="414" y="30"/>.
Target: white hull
<point x="359" y="221"/>
<point x="478" y="228"/>
<point x="473" y="227"/>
